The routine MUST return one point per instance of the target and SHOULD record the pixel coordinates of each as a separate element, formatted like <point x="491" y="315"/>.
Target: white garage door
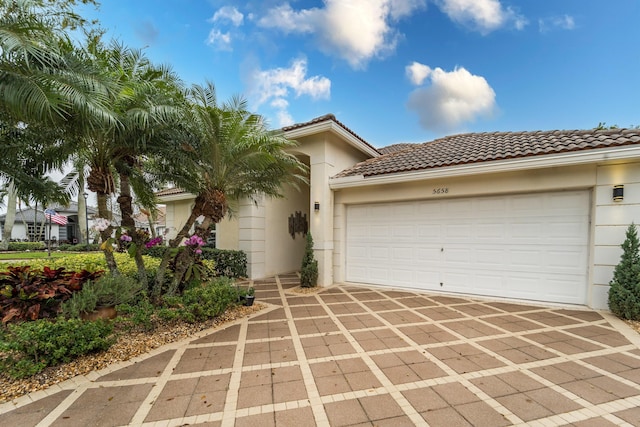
<point x="530" y="246"/>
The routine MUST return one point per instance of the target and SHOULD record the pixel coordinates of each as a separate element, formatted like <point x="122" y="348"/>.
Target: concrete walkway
<point x="366" y="357"/>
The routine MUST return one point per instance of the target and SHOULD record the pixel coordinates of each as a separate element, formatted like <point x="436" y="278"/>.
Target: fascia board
<point x="176" y="197"/>
<point x="511" y="165"/>
<point x="330" y="126"/>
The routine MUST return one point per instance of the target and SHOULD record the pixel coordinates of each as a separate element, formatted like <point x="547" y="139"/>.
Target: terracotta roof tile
<point x="170" y="192"/>
<point x="326" y="118"/>
<point x="395" y="147"/>
<point x="484" y="147"/>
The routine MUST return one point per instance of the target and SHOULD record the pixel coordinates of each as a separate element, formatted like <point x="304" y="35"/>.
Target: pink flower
<point x="198" y="251"/>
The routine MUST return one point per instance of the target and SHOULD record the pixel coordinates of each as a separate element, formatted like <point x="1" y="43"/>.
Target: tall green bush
<point x="309" y="269"/>
<point x="624" y="293"/>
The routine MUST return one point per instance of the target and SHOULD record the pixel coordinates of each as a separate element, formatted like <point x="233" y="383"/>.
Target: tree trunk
<point x="168" y="254"/>
<point x="82" y="210"/>
<point x="105" y="235"/>
<point x="10" y="218"/>
<point x="125" y="201"/>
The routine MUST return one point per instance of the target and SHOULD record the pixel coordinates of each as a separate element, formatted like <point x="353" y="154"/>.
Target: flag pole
<point x="49" y="240"/>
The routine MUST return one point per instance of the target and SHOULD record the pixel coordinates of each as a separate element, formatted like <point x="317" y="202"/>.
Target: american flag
<point x="53" y="216"/>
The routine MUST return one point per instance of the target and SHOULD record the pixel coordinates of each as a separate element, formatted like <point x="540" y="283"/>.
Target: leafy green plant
<point x="139" y="312"/>
<point x="29" y="294"/>
<point x="228" y="263"/>
<point x="81" y="247"/>
<point x="107" y="291"/>
<point x="27" y="348"/>
<point x="309" y="269"/>
<point x="202" y="302"/>
<point x="624" y="293"/>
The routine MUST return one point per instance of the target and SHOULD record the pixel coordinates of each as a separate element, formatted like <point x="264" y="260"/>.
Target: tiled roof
<point x="395" y="147"/>
<point x="170" y="192"/>
<point x="326" y="118"/>
<point x="483" y="147"/>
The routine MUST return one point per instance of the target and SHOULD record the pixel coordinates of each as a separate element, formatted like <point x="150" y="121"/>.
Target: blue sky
<point x="401" y="70"/>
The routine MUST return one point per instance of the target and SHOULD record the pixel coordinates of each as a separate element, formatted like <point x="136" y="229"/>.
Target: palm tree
<point x="43" y="87"/>
<point x="144" y="104"/>
<point x="227" y="154"/>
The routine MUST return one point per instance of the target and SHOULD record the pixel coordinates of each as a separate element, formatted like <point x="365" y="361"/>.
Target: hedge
<point x="228" y="263"/>
<point x="26" y="246"/>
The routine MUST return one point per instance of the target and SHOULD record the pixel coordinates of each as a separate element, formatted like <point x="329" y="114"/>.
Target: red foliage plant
<point x="27" y="294"/>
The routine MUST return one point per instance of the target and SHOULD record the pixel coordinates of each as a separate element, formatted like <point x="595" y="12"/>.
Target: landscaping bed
<point x="130" y="343"/>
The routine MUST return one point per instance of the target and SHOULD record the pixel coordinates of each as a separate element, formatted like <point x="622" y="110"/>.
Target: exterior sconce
<point x="618" y="193"/>
<point x="316" y="206"/>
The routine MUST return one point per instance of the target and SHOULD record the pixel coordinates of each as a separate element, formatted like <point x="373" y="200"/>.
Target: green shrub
<point x="139" y="312"/>
<point x="624" y="293"/>
<point x="27" y="348"/>
<point x="309" y="268"/>
<point x="201" y="302"/>
<point x="81" y="247"/>
<point x="107" y="291"/>
<point x="26" y="246"/>
<point x="228" y="263"/>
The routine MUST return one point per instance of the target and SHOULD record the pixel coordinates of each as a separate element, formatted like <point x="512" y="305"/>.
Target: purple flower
<point x="198" y="251"/>
<point x="125" y="238"/>
<point x="153" y="242"/>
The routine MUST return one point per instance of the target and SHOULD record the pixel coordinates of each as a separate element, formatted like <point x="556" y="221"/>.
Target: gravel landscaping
<point x="130" y="344"/>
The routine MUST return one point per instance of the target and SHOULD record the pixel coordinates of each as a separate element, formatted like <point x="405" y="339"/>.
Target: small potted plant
<point x="249" y="297"/>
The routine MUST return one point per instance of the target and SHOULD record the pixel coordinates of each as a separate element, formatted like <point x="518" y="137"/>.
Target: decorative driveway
<point x="366" y="357"/>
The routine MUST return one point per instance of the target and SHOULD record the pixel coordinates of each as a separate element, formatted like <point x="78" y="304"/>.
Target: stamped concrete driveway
<point x="361" y="356"/>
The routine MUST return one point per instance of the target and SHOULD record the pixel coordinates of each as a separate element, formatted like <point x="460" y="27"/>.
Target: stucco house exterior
<point x="513" y="215"/>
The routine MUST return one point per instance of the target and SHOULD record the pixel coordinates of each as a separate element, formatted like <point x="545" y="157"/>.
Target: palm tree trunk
<point x="125" y="201"/>
<point x="103" y="212"/>
<point x="10" y="218"/>
<point x="169" y="254"/>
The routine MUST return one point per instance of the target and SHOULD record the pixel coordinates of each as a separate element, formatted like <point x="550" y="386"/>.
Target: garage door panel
<point x="518" y="246"/>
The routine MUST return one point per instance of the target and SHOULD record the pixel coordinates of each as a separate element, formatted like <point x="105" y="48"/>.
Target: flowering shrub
<point x="196" y="243"/>
<point x="101" y="224"/>
<point x="154" y="242"/>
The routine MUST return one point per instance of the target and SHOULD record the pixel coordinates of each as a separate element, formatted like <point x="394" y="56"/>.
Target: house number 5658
<point x="441" y="190"/>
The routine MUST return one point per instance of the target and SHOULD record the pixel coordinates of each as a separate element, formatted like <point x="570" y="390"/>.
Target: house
<point x="32" y="226"/>
<point x="536" y="216"/>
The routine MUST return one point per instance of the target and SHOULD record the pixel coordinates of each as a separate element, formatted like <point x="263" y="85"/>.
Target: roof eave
<point x="176" y="197"/>
<point x="496" y="166"/>
<point x="331" y="126"/>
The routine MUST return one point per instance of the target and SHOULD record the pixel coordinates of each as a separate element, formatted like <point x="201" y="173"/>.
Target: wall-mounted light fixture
<point x="316" y="206"/>
<point x="618" y="193"/>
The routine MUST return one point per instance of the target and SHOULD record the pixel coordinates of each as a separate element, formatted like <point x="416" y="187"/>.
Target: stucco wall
<point x="611" y="220"/>
<point x="177" y="213"/>
<point x="284" y="253"/>
<point x="227" y="234"/>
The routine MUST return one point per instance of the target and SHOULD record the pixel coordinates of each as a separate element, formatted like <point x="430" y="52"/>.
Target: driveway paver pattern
<point x="362" y="356"/>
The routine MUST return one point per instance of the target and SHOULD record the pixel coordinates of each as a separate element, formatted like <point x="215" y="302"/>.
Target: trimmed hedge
<point x="26" y="246"/>
<point x="228" y="263"/>
<point x="81" y="247"/>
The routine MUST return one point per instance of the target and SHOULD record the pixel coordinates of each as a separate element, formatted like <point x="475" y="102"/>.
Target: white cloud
<point x="276" y="85"/>
<point x="452" y="99"/>
<point x="481" y="15"/>
<point x="417" y="72"/>
<point x="219" y="40"/>
<point x="355" y="30"/>
<point x="230" y="14"/>
<point x="564" y="22"/>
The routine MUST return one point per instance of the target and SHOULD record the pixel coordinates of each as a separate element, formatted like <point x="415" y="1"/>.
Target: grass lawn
<point x="34" y="255"/>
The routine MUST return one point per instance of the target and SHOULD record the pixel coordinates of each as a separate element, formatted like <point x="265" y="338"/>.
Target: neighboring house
<point x="145" y="222"/>
<point x="515" y="215"/>
<point x="35" y="232"/>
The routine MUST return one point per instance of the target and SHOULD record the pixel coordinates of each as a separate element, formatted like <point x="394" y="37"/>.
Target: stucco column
<point x="251" y="232"/>
<point x="321" y="221"/>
